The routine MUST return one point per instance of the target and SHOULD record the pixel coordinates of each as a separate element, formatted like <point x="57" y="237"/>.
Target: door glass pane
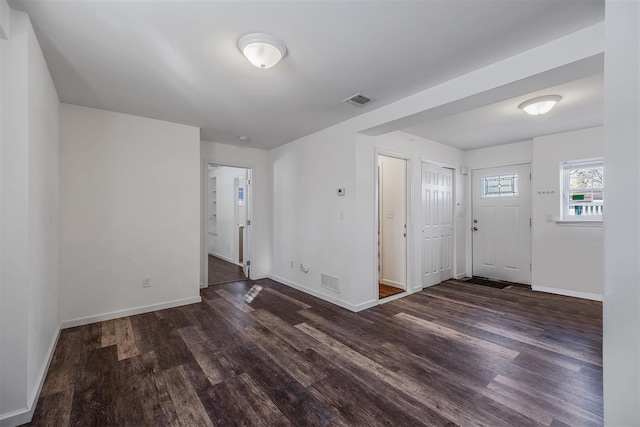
<point x="500" y="185"/>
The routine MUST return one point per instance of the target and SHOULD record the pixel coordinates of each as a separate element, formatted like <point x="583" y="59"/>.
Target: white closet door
<point x="437" y="224"/>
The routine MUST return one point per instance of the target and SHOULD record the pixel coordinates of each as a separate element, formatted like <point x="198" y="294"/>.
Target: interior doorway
<point x="501" y="214"/>
<point x="228" y="223"/>
<point x="392" y="226"/>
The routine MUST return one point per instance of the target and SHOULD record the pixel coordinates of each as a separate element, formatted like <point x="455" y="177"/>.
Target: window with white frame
<point x="582" y="190"/>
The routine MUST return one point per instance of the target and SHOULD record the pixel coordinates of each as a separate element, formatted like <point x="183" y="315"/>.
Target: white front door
<point x="437" y="224"/>
<point x="501" y="223"/>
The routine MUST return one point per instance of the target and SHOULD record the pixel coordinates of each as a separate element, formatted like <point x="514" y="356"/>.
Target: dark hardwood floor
<point x="221" y="271"/>
<point x="387" y="291"/>
<point x="262" y="354"/>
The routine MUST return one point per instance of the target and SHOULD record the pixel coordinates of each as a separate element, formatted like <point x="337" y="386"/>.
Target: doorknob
<point x="475" y="229"/>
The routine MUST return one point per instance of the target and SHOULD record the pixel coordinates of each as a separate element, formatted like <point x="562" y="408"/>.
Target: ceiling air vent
<point x="358" y="100"/>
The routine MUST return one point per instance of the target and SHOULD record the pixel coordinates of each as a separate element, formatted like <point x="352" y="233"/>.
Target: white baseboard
<point x="222" y="257"/>
<point x="461" y="276"/>
<point x="568" y="293"/>
<point x="323" y="296"/>
<point x="129" y="312"/>
<point x="393" y="297"/>
<point x="392" y="283"/>
<point x="25" y="415"/>
<point x="367" y="304"/>
<point x="16" y="418"/>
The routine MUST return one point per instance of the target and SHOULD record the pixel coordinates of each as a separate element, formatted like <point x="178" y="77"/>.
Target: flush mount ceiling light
<point x="540" y="105"/>
<point x="262" y="50"/>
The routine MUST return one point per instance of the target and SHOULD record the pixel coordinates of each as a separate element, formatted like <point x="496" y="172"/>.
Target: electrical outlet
<point x="146" y="282"/>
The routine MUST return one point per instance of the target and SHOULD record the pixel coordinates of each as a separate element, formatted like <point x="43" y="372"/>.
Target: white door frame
<point x="204" y="234"/>
<point x="236" y="237"/>
<point x="409" y="238"/>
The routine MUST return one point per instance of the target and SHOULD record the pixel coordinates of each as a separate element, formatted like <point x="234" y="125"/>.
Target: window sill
<point x="581" y="223"/>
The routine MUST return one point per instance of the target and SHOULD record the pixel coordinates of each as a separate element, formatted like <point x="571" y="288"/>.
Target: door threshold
<point x="392" y="297"/>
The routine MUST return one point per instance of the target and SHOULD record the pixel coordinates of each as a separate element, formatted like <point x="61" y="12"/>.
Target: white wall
<point x="29" y="285"/>
<point x="621" y="308"/>
<point x="392" y="216"/>
<point x="15" y="216"/>
<point x="224" y="243"/>
<point x="258" y="161"/>
<point x="4" y="19"/>
<point x="311" y="223"/>
<point x="44" y="260"/>
<point x="502" y="155"/>
<point x="129" y="208"/>
<point x="566" y="259"/>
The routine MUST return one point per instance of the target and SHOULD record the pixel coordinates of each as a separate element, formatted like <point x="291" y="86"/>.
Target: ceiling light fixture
<point x="262" y="50"/>
<point x="540" y="105"/>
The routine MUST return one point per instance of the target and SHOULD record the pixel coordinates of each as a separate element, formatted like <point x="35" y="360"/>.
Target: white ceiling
<point x="581" y="107"/>
<point x="178" y="60"/>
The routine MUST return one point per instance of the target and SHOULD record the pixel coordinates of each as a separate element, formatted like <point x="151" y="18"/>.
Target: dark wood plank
<point x="97" y="399"/>
<point x="145" y="384"/>
<point x="285" y="356"/>
<point x="187" y="404"/>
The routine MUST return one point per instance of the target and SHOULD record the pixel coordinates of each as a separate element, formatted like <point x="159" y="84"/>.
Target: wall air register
<point x="330" y="282"/>
<point x="358" y="100"/>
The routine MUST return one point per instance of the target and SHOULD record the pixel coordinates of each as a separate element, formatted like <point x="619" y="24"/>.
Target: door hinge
<point x="248" y="222"/>
<point x="248" y="263"/>
<point x="530" y="222"/>
<point x="248" y="182"/>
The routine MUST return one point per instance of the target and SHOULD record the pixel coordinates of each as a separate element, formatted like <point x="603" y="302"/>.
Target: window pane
<point x="580" y="178"/>
<point x="500" y="185"/>
<point x="598" y="177"/>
